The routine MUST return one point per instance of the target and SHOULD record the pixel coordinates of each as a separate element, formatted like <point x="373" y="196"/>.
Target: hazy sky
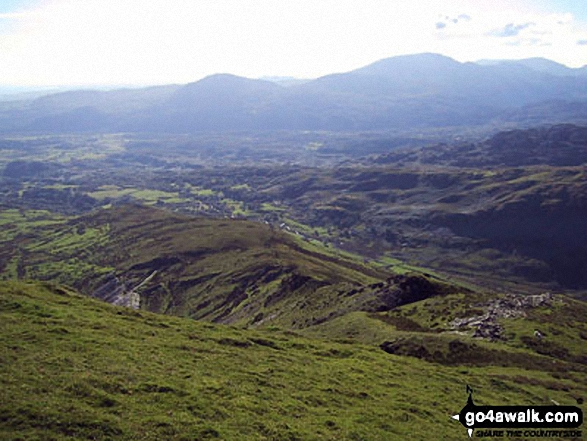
<point x="97" y="42"/>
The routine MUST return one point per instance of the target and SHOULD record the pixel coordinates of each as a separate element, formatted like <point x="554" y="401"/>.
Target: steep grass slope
<point x="75" y="368"/>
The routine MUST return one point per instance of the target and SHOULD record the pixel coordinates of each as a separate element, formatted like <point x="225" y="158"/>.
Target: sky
<point x="149" y="42"/>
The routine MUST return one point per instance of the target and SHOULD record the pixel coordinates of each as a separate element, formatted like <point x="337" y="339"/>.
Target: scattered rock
<point x="510" y="306"/>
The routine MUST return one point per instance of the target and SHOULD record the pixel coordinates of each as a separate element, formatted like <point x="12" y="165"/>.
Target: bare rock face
<point x="121" y="293"/>
<point x="511" y="306"/>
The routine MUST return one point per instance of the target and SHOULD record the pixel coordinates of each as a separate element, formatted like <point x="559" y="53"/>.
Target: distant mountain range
<point x="540" y="65"/>
<point x="412" y="91"/>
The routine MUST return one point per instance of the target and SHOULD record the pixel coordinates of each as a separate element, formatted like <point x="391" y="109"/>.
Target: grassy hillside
<point x="496" y="228"/>
<point x="221" y="270"/>
<point x="489" y="330"/>
<point x="72" y="367"/>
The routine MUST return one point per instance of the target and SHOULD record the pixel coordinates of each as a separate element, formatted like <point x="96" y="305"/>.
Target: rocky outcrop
<point x="511" y="306"/>
<point x="400" y="290"/>
<point x="121" y="293"/>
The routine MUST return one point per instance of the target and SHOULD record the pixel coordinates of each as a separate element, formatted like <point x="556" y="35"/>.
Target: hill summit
<point x="410" y="91"/>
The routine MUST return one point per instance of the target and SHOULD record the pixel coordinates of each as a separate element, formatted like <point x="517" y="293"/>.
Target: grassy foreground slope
<point x="72" y="367"/>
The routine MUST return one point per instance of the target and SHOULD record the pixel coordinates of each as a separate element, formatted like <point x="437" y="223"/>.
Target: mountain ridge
<point x="424" y="90"/>
<point x="539" y="64"/>
<point x="226" y="271"/>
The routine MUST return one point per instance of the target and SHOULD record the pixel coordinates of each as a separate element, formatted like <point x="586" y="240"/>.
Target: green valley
<point x="288" y="285"/>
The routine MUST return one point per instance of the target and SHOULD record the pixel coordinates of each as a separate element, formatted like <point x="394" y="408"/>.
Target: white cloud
<point x="161" y="41"/>
<point x="507" y="34"/>
<point x="511" y="29"/>
<point x="451" y="21"/>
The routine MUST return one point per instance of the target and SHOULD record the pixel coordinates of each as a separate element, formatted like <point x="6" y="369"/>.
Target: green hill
<point x="76" y="368"/>
<point x="221" y="270"/>
<point x="296" y="340"/>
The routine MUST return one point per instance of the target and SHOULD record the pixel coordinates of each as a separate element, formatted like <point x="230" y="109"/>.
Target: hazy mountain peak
<point x="417" y="62"/>
<point x="537" y="64"/>
<point x="426" y="89"/>
<point x="226" y="78"/>
<point x="223" y="84"/>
